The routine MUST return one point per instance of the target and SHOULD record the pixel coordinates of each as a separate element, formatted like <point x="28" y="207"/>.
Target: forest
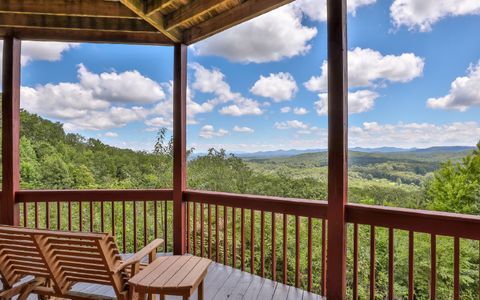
<point x="436" y="180"/>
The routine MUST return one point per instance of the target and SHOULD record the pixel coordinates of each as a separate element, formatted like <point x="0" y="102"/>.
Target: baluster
<point x="355" y="261"/>
<point x="202" y="234"/>
<point x="242" y="237"/>
<point x="274" y="248"/>
<point x="285" y="254"/>
<point x="225" y="236"/>
<point x="456" y="268"/>
<point x="391" y="267"/>
<point x="410" y="265"/>
<point x="262" y="243"/>
<point x="372" y="262"/>
<point x="234" y="238"/>
<point x="309" y="254"/>
<point x="297" y="251"/>
<point x="252" y="241"/>
<point x="433" y="266"/>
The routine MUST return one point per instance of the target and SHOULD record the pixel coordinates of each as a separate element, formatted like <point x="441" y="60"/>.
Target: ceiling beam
<point x="154" y="6"/>
<point x="73" y="23"/>
<point x="190" y="11"/>
<point x="155" y="19"/>
<point x="236" y="15"/>
<point x="88" y="36"/>
<point x="64" y="7"/>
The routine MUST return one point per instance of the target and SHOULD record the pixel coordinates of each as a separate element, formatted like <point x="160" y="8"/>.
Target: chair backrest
<point x="65" y="258"/>
<point x="19" y="256"/>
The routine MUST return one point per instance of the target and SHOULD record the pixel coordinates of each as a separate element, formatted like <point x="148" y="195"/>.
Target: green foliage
<point x="456" y="186"/>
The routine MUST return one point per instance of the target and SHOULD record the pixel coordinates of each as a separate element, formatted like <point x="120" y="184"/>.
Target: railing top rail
<point x="92" y="195"/>
<point x="433" y="222"/>
<point x="298" y="207"/>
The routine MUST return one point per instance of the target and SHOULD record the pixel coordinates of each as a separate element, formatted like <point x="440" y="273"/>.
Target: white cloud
<point x="358" y="102"/>
<point x="242" y="107"/>
<point x="279" y="87"/>
<point x="125" y="87"/>
<point x="111" y="134"/>
<point x="285" y="109"/>
<point x="300" y="111"/>
<point x="243" y="129"/>
<point x="292" y="124"/>
<point x="49" y="51"/>
<point x="367" y="67"/>
<point x="88" y="104"/>
<point x="114" y="117"/>
<point x="271" y="37"/>
<point x="464" y="92"/>
<point x="407" y="135"/>
<point x="212" y="81"/>
<point x="316" y="10"/>
<point x="422" y="14"/>
<point x="208" y="132"/>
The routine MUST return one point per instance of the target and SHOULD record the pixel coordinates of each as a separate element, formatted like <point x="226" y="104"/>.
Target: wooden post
<point x="179" y="146"/>
<point x="337" y="148"/>
<point x="9" y="212"/>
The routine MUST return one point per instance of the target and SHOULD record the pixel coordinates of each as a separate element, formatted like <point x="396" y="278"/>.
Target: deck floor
<point x="223" y="282"/>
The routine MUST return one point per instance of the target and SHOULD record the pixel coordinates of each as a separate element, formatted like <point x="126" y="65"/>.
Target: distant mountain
<point x="276" y="153"/>
<point x="382" y="149"/>
<point x="293" y="152"/>
<point x="444" y="149"/>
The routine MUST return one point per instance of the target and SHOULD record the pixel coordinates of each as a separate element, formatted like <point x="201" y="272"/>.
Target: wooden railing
<point x="277" y="238"/>
<point x="134" y="217"/>
<point x="234" y="229"/>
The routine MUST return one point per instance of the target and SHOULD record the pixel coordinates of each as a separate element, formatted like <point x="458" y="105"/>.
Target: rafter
<point x="154" y="6"/>
<point x="190" y="11"/>
<point x="156" y="19"/>
<point x="73" y="23"/>
<point x="73" y="8"/>
<point x="236" y="15"/>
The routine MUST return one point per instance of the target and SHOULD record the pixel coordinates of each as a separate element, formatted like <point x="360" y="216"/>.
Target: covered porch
<point x="308" y="254"/>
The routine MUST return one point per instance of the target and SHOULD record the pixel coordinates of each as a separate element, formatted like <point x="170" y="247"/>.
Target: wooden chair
<point x="58" y="260"/>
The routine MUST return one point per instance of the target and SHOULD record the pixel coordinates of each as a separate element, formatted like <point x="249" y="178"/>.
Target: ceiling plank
<point x="190" y="11"/>
<point x="73" y="23"/>
<point x="241" y="13"/>
<point x="64" y="7"/>
<point x="89" y="36"/>
<point x="155" y="19"/>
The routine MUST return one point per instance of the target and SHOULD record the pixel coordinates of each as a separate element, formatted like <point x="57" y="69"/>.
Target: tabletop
<point x="171" y="275"/>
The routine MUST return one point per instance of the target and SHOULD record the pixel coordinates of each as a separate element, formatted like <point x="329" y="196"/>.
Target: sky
<point x="414" y="81"/>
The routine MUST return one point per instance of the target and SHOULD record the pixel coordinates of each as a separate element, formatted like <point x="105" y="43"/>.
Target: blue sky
<point x="414" y="81"/>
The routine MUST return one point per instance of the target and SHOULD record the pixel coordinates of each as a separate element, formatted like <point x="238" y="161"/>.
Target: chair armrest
<point x="137" y="257"/>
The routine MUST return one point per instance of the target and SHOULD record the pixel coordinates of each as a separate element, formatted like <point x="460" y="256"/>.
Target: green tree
<point x="456" y="187"/>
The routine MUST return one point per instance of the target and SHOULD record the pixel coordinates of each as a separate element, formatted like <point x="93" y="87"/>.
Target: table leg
<point x="162" y="297"/>
<point x="200" y="291"/>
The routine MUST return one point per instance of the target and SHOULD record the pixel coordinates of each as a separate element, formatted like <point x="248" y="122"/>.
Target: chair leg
<point x="162" y="297"/>
<point x="200" y="291"/>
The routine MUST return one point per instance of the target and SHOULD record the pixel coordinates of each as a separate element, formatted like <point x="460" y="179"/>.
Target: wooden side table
<point x="171" y="275"/>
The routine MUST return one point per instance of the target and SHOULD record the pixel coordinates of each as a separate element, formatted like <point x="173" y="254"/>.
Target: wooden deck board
<point x="223" y="282"/>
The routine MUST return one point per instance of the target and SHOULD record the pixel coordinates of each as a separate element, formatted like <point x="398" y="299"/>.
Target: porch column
<point x="179" y="146"/>
<point x="9" y="213"/>
<point x="337" y="147"/>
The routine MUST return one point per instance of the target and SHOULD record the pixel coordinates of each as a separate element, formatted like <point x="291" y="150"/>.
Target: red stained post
<point x="179" y="146"/>
<point x="9" y="211"/>
<point x="337" y="148"/>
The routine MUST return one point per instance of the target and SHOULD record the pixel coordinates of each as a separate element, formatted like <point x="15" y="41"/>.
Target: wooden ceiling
<point x="161" y="22"/>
